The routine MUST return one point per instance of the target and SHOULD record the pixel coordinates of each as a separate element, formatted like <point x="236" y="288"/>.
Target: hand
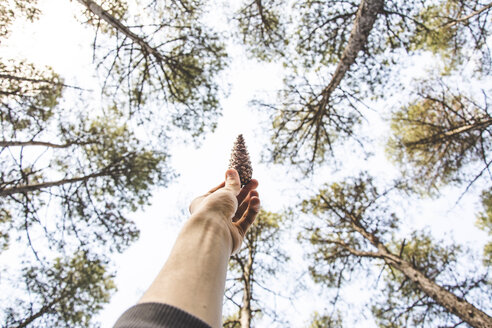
<point x="236" y="207"/>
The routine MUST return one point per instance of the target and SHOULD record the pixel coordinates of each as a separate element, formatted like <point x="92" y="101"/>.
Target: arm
<point x="193" y="278"/>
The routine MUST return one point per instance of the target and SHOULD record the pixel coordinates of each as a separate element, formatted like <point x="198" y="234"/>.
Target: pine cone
<point x="240" y="161"/>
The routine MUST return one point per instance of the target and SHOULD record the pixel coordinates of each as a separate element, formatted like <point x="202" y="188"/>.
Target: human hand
<point x="235" y="206"/>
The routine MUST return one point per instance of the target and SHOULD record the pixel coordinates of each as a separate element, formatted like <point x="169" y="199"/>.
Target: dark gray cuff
<point x="158" y="315"/>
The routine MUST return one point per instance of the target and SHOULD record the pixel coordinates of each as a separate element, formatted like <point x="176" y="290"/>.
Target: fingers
<point x="253" y="184"/>
<point x="250" y="215"/>
<point x="243" y="206"/>
<point x="232" y="181"/>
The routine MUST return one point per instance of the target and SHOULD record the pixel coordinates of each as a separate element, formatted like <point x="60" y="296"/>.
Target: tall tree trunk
<point x="245" y="313"/>
<point x="43" y="185"/>
<point x="364" y="21"/>
<point x="456" y="305"/>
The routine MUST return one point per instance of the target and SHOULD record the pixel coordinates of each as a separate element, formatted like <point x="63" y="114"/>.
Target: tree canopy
<point x="408" y="79"/>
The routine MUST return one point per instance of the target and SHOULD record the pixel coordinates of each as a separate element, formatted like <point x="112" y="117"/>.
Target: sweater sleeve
<point x="158" y="315"/>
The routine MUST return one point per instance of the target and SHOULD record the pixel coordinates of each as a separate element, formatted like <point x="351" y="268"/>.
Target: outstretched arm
<point x="193" y="278"/>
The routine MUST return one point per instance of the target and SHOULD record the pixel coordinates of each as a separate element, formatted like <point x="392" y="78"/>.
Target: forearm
<point x="193" y="278"/>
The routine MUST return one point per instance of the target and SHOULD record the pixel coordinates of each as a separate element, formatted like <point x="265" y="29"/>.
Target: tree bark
<point x="245" y="313"/>
<point x="456" y="305"/>
<point x="364" y="21"/>
<point x="43" y="185"/>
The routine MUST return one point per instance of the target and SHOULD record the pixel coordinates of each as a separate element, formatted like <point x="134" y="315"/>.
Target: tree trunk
<point x="39" y="186"/>
<point x="451" y="133"/>
<point x="5" y="143"/>
<point x="464" y="19"/>
<point x="364" y="21"/>
<point x="245" y="313"/>
<point x="105" y="16"/>
<point x="456" y="305"/>
<point x="45" y="309"/>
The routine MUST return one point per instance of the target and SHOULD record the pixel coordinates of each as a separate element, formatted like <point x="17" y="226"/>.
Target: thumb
<point x="232" y="181"/>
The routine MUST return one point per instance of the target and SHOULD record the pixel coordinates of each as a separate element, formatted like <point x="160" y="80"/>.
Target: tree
<point x="66" y="187"/>
<point x="95" y="169"/>
<point x="441" y="137"/>
<point x="257" y="262"/>
<point x="165" y="55"/>
<point x="309" y="117"/>
<point x="355" y="231"/>
<point x="402" y="303"/>
<point x="68" y="294"/>
<point x="69" y="179"/>
<point x="360" y="46"/>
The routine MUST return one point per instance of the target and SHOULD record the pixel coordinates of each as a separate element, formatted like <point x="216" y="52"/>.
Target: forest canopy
<point x="371" y="139"/>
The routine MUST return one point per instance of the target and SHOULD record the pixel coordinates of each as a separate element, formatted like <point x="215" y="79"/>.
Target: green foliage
<point x="231" y="321"/>
<point x="434" y="36"/>
<point x="67" y="294"/>
<point x="312" y="115"/>
<point x="326" y="321"/>
<point x="28" y="96"/>
<point x="262" y="28"/>
<point x="484" y="222"/>
<point x="86" y="173"/>
<point x="354" y="233"/>
<point x="5" y="221"/>
<point x="10" y="10"/>
<point x="451" y="29"/>
<point x="341" y="209"/>
<point x="438" y="135"/>
<point x="116" y="173"/>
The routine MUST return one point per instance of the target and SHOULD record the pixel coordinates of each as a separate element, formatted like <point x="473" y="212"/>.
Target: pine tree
<point x="424" y="283"/>
<point x="163" y="55"/>
<point x="67" y="292"/>
<point x="260" y="260"/>
<point x="442" y="137"/>
<point x="347" y="52"/>
<point x="240" y="160"/>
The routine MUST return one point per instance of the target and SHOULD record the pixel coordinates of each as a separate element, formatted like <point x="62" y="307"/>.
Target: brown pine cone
<point x="240" y="161"/>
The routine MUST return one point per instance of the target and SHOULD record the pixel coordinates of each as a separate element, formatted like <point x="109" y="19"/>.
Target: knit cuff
<point x="158" y="315"/>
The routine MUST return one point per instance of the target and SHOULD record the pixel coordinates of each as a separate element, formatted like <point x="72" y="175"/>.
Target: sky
<point x="68" y="50"/>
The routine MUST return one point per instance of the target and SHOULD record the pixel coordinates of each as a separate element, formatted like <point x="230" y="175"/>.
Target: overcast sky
<point x="60" y="41"/>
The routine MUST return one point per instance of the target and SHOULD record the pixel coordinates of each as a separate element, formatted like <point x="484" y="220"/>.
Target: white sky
<point x="60" y="41"/>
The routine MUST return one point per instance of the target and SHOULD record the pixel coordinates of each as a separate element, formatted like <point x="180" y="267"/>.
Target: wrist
<point x="214" y="230"/>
